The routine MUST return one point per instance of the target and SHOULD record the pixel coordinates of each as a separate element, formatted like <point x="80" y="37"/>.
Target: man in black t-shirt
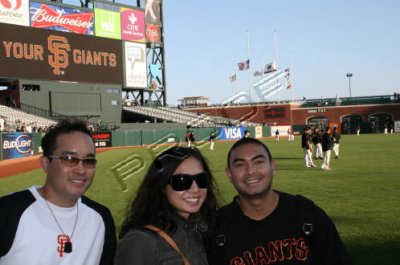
<point x="265" y="226"/>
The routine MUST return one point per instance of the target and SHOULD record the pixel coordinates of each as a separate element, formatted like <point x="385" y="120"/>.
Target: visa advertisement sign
<point x="231" y="133"/>
<point x="15" y="145"/>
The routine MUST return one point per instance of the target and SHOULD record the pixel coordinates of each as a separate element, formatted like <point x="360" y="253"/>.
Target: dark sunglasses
<point x="181" y="182"/>
<point x="72" y="161"/>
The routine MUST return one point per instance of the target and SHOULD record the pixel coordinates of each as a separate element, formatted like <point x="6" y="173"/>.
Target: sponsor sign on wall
<point x="14" y="12"/>
<point x="61" y="18"/>
<point x="135" y="65"/>
<point x="153" y="33"/>
<point x="152" y="9"/>
<point x="283" y="130"/>
<point x="102" y="139"/>
<point x="132" y="24"/>
<point x="52" y="55"/>
<point x="231" y="133"/>
<point x="258" y="132"/>
<point x="107" y="20"/>
<point x="397" y="126"/>
<point x="152" y="14"/>
<point x="15" y="145"/>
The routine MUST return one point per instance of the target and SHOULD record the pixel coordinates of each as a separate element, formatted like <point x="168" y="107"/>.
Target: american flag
<point x="244" y="65"/>
<point x="269" y="68"/>
<point x="288" y="79"/>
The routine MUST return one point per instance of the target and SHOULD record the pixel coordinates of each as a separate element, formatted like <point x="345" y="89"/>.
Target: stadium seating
<point x="169" y="114"/>
<point x="14" y="117"/>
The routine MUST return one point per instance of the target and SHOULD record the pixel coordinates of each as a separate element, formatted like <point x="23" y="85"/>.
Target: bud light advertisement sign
<point x="16" y="145"/>
<point x="232" y="133"/>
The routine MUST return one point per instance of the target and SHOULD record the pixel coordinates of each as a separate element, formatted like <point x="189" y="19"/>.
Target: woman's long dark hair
<point x="151" y="205"/>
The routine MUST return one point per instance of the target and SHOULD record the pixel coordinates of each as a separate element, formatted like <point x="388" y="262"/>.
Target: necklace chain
<point x="58" y="224"/>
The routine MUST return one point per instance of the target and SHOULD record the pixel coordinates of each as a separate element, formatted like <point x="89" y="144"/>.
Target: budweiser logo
<point x="45" y="17"/>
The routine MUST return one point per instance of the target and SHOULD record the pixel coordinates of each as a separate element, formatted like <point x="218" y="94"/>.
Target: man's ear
<point x="273" y="166"/>
<point x="228" y="173"/>
<point x="44" y="163"/>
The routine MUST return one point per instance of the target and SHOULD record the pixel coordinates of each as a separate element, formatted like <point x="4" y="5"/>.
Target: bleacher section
<point x="13" y="117"/>
<point x="366" y="100"/>
<point x="347" y="101"/>
<point x="169" y="114"/>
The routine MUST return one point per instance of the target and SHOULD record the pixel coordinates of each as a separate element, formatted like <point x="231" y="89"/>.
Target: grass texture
<point x="361" y="193"/>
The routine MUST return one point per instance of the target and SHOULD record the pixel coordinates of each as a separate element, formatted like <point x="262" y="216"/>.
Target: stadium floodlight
<point x="349" y="75"/>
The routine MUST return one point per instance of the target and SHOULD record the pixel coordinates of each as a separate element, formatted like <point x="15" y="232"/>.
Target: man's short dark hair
<point x="245" y="141"/>
<point x="49" y="141"/>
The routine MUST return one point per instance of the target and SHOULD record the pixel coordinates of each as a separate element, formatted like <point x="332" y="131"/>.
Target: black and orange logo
<point x="59" y="57"/>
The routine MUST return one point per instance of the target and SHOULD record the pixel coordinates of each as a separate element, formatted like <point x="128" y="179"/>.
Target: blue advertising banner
<point x="61" y="18"/>
<point x="15" y="145"/>
<point x="231" y="133"/>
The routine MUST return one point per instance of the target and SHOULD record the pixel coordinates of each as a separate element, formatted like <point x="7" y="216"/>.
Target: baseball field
<point x="361" y="193"/>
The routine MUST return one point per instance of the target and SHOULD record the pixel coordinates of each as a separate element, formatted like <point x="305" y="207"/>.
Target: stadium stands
<point x="14" y="118"/>
<point x="347" y="101"/>
<point x="366" y="100"/>
<point x="169" y="114"/>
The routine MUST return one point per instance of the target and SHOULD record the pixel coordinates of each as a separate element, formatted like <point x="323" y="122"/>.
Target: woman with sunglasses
<point x="171" y="219"/>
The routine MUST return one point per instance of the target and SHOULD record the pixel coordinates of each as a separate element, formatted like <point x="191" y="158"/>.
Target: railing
<point x="36" y="111"/>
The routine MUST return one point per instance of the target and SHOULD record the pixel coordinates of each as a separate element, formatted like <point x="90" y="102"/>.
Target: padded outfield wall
<point x="16" y="144"/>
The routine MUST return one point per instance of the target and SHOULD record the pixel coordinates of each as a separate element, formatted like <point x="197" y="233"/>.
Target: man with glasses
<point x="56" y="223"/>
<point x="265" y="226"/>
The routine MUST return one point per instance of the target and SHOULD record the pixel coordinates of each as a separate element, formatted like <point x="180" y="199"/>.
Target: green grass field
<point x="361" y="193"/>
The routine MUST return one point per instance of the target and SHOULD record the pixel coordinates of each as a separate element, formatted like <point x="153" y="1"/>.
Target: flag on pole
<point x="287" y="72"/>
<point x="288" y="80"/>
<point x="258" y="73"/>
<point x="269" y="68"/>
<point x="232" y="78"/>
<point x="244" y="65"/>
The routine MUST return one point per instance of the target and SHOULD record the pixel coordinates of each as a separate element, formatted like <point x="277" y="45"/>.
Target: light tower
<point x="349" y="75"/>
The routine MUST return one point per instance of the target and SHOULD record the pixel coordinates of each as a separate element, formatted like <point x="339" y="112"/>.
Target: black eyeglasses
<point x="71" y="161"/>
<point x="181" y="182"/>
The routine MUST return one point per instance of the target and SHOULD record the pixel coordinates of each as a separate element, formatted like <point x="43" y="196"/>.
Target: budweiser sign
<point x="61" y="18"/>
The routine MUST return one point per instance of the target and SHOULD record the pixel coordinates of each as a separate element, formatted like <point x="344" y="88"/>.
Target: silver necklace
<point x="68" y="243"/>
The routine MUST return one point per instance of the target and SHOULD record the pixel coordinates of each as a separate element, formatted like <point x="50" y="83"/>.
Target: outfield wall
<point x="18" y="144"/>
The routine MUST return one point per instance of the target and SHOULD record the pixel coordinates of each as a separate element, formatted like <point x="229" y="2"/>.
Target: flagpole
<point x="276" y="61"/>
<point x="236" y="82"/>
<point x="291" y="77"/>
<point x="248" y="49"/>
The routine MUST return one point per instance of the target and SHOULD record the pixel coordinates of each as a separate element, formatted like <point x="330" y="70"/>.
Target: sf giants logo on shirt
<point x="274" y="252"/>
<point x="58" y="59"/>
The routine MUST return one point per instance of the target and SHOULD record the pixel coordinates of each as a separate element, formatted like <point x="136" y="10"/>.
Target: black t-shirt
<point x="280" y="238"/>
